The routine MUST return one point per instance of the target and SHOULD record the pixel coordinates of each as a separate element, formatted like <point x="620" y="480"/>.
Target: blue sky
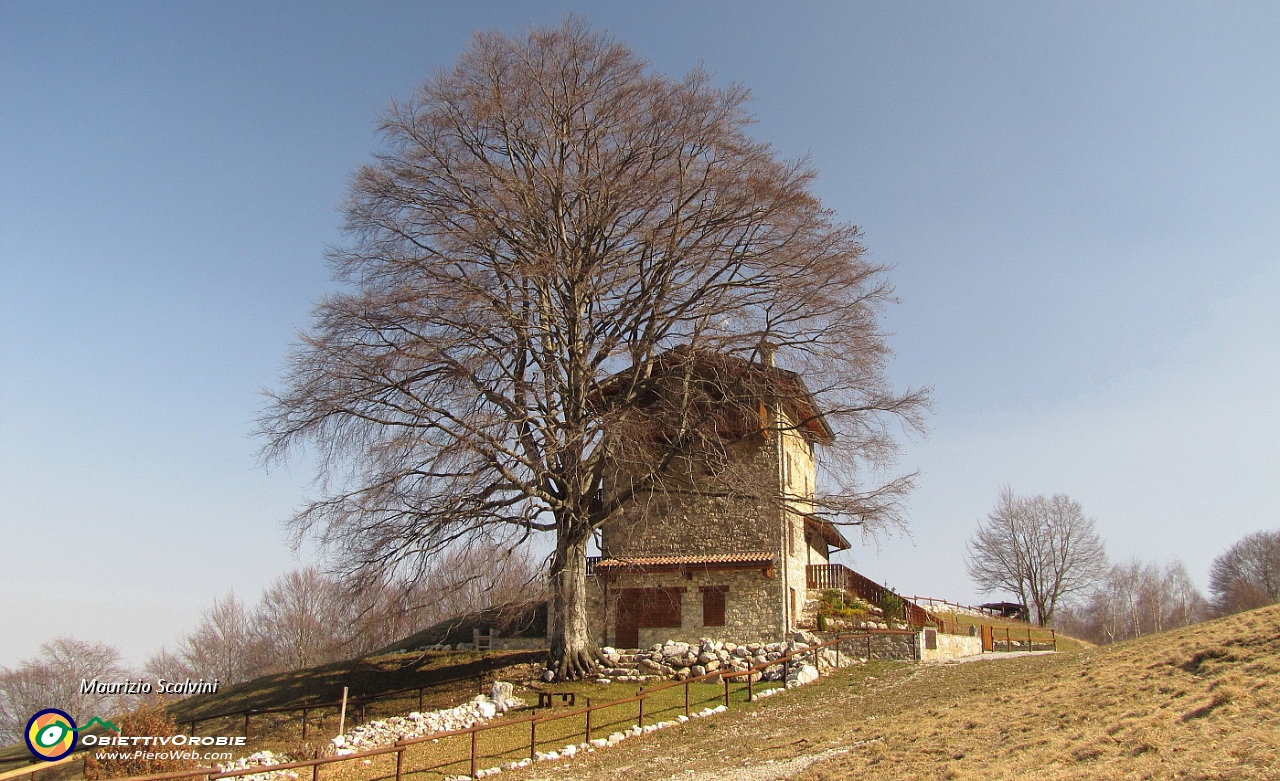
<point x="1080" y="203"/>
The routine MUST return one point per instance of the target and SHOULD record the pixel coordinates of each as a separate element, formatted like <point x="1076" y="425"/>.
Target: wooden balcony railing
<point x="839" y="576"/>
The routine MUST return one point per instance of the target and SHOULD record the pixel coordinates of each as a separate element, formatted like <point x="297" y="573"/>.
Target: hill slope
<point x="1199" y="702"/>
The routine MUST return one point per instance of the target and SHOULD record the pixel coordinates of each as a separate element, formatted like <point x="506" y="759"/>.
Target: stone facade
<point x="678" y="541"/>
<point x="752" y="606"/>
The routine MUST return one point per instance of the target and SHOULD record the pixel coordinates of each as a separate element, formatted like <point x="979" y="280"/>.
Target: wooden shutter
<point x="713" y="599"/>
<point x="649" y="608"/>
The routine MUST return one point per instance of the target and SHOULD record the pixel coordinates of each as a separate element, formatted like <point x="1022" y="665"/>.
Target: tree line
<point x="1048" y="554"/>
<point x="304" y="618"/>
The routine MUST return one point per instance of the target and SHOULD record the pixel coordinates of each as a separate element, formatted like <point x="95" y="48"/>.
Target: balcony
<point x="820" y="576"/>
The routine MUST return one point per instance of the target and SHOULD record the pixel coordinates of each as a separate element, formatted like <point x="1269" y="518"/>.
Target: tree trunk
<point x="573" y="652"/>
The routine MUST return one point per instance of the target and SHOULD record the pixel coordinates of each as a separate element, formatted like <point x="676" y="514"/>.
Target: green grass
<point x="510" y="738"/>
<point x="367" y="676"/>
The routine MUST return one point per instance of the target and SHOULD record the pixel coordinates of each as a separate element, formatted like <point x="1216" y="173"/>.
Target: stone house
<point x="727" y="544"/>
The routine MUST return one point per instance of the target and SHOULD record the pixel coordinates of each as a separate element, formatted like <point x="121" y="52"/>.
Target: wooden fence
<point x="1017" y="638"/>
<point x="839" y="576"/>
<point x="357" y="710"/>
<point x="361" y="702"/>
<point x="467" y="741"/>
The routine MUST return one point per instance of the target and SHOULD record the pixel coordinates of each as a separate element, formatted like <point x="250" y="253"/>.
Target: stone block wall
<point x="689" y="524"/>
<point x="753" y="606"/>
<point x="949" y="647"/>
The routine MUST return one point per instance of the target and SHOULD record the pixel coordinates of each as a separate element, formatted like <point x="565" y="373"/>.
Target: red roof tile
<point x="712" y="561"/>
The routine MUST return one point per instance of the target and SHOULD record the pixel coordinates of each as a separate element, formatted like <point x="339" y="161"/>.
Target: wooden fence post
<point x="419" y="698"/>
<point x="474" y="737"/>
<point x="686" y="698"/>
<point x="400" y="764"/>
<point x="246" y="725"/>
<point x="726" y="690"/>
<point x="533" y="739"/>
<point x="640" y="717"/>
<point x="304" y="723"/>
<point x="588" y="740"/>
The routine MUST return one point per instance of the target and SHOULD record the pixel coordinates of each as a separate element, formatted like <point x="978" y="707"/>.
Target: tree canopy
<point x="545" y="218"/>
<point x="1041" y="549"/>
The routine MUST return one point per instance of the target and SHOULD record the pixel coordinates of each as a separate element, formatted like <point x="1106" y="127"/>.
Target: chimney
<point x="767" y="350"/>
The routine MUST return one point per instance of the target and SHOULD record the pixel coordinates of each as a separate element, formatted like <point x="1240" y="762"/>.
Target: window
<point x="713" y="599"/>
<point x="645" y="608"/>
<point x="652" y="607"/>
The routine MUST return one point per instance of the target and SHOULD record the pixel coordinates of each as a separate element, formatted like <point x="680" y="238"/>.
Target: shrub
<point x="893" y="606"/>
<point x="835" y="603"/>
<point x="147" y="720"/>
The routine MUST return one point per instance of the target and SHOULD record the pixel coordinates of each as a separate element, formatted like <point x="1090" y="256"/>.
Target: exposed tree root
<point x="576" y="664"/>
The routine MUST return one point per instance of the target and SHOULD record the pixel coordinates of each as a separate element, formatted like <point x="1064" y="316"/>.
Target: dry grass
<point x="1196" y="703"/>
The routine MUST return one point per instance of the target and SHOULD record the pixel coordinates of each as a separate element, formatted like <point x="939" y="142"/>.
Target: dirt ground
<point x="1197" y="703"/>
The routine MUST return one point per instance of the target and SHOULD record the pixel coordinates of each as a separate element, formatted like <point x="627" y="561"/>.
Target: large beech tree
<point x="546" y="226"/>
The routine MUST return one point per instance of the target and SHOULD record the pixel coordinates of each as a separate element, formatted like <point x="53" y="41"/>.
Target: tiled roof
<point x="749" y="559"/>
<point x="828" y="531"/>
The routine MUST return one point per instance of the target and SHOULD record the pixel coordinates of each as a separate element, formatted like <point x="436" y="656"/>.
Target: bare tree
<point x="53" y="680"/>
<point x="298" y="621"/>
<point x="547" y="221"/>
<point x="224" y="645"/>
<point x="1135" y="599"/>
<point x="168" y="665"/>
<point x="1247" y="575"/>
<point x="1040" y="549"/>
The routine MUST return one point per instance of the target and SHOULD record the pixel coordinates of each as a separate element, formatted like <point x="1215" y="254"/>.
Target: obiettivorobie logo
<point x="51" y="734"/>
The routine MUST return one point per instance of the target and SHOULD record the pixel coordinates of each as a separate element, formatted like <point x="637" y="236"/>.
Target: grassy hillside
<point x="372" y="675"/>
<point x="513" y="620"/>
<point x="1200" y="702"/>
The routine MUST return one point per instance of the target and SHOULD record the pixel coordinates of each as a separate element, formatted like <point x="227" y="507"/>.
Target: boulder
<point x="802" y="674"/>
<point x="500" y="692"/>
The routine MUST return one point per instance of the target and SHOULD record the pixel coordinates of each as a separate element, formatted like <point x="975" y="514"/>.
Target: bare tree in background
<point x="544" y="217"/>
<point x="1247" y="575"/>
<point x="1040" y="549"/>
<point x="298" y="621"/>
<point x="1135" y="599"/>
<point x="168" y="665"/>
<point x="459" y="582"/>
<point x="224" y="644"/>
<point x="488" y="583"/>
<point x="53" y="680"/>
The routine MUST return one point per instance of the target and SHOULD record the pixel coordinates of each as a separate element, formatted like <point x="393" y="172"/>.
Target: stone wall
<point x="904" y="647"/>
<point x="681" y="523"/>
<point x="753" y="606"/>
<point x="949" y="647"/>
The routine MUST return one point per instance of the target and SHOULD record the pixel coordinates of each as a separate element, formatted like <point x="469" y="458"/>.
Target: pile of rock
<point x="679" y="660"/>
<point x="573" y="749"/>
<point x="384" y="732"/>
<point x="263" y="759"/>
